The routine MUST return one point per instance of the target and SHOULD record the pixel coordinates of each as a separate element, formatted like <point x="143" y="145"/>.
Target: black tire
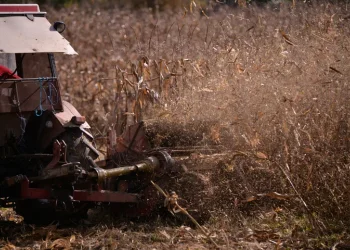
<point x="79" y="146"/>
<point x="39" y="212"/>
<point x="43" y="211"/>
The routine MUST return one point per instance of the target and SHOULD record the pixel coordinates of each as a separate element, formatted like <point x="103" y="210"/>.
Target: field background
<point x="268" y="85"/>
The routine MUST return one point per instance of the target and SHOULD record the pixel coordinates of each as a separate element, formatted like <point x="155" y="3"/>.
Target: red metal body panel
<point x="19" y="8"/>
<point x="104" y="196"/>
<point x="65" y="118"/>
<point x="33" y="193"/>
<point x="58" y="148"/>
<point x="79" y="195"/>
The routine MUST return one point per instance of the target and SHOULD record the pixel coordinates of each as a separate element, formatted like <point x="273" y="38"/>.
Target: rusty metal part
<point x="133" y="139"/>
<point x="59" y="152"/>
<point x="188" y="150"/>
<point x="138" y="141"/>
<point x="24" y="156"/>
<point x="69" y="169"/>
<point x="63" y="151"/>
<point x="123" y="186"/>
<point x="89" y="145"/>
<point x="99" y="173"/>
<point x="65" y="118"/>
<point x="101" y="163"/>
<point x="104" y="196"/>
<point x="166" y="161"/>
<point x="78" y="120"/>
<point x="78" y="195"/>
<point x="56" y="155"/>
<point x="48" y="133"/>
<point x="11" y="181"/>
<point x="150" y="164"/>
<point x="33" y="193"/>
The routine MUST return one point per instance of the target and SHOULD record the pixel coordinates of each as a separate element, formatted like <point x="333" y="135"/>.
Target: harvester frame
<point x="49" y="163"/>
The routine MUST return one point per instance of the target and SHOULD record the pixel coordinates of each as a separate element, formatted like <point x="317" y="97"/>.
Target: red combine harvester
<point x="49" y="165"/>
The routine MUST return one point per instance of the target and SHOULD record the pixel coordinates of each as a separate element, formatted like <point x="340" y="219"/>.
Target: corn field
<point x="269" y="81"/>
<point x="268" y="85"/>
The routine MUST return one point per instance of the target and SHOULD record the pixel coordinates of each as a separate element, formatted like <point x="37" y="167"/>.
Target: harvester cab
<point x="48" y="157"/>
<point x="30" y="92"/>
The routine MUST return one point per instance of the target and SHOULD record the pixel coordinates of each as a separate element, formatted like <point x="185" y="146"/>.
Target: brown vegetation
<point x="269" y="85"/>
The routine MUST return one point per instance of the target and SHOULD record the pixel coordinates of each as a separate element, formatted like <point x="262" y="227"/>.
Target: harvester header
<point x="50" y="165"/>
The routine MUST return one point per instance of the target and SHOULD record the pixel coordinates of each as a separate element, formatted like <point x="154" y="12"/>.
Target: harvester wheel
<point x="79" y="149"/>
<point x="43" y="212"/>
<point x="79" y="146"/>
<point x="36" y="211"/>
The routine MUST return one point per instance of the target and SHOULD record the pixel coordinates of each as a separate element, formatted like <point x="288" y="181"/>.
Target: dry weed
<point x="272" y="82"/>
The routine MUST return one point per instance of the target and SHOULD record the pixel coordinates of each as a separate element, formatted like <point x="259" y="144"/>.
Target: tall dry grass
<point x="271" y="81"/>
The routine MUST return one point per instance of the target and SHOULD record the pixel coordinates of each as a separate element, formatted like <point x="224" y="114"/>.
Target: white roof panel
<point x="18" y="34"/>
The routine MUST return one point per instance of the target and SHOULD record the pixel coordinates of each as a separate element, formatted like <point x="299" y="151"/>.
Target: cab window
<point x="8" y="60"/>
<point x="36" y="65"/>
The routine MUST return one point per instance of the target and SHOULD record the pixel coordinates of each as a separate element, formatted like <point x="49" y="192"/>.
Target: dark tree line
<point x="158" y="3"/>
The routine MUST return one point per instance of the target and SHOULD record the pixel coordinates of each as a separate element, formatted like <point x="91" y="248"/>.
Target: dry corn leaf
<point x="286" y="38"/>
<point x="254" y="142"/>
<point x="335" y="70"/>
<point x="250" y="199"/>
<point x="308" y="150"/>
<point x="9" y="246"/>
<point x="285" y="128"/>
<point x="273" y="195"/>
<point x="193" y="4"/>
<point x="165" y="234"/>
<point x="146" y="73"/>
<point x="60" y="244"/>
<point x="206" y="90"/>
<point x="72" y="238"/>
<point x="229" y="167"/>
<point x="164" y="114"/>
<point x="278" y="209"/>
<point x="261" y="155"/>
<point x="240" y="68"/>
<point x="277" y="196"/>
<point x="215" y="134"/>
<point x="242" y="3"/>
<point x="264" y="235"/>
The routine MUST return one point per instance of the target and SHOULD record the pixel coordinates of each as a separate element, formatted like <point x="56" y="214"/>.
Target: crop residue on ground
<point x="267" y="86"/>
